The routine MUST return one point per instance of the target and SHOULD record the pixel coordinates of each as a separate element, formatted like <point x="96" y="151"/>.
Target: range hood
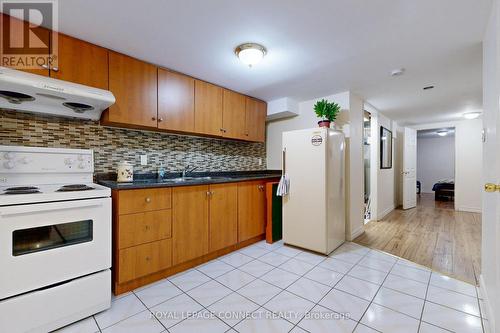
<point x="28" y="92"/>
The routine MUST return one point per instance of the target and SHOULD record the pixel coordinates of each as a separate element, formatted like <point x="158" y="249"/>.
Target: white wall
<point x="435" y="160"/>
<point x="468" y="165"/>
<point x="305" y="119"/>
<point x="383" y="186"/>
<point x="352" y="117"/>
<point x="468" y="162"/>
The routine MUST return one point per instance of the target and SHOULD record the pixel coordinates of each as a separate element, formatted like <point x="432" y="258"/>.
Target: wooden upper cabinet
<point x="256" y="113"/>
<point x="39" y="35"/>
<point x="189" y="223"/>
<point x="251" y="209"/>
<point x="223" y="216"/>
<point x="134" y="84"/>
<point x="175" y="101"/>
<point x="81" y="62"/>
<point x="207" y="108"/>
<point x="233" y="115"/>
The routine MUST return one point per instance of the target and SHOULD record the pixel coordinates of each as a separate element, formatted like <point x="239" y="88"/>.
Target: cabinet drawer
<point x="137" y="201"/>
<point x="145" y="259"/>
<point x="140" y="228"/>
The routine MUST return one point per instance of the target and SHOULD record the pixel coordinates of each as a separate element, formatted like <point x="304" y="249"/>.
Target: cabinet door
<point x="81" y="62"/>
<point x="256" y="113"/>
<point x="134" y="84"/>
<point x="15" y="28"/>
<point x="175" y="101"/>
<point x="189" y="223"/>
<point x="207" y="108"/>
<point x="251" y="209"/>
<point x="223" y="216"/>
<point x="233" y="116"/>
<point x="144" y="259"/>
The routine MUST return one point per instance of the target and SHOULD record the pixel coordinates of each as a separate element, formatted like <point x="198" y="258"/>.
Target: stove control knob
<point x="81" y="158"/>
<point x="9" y="165"/>
<point x="23" y="160"/>
<point x="81" y="166"/>
<point x="8" y="155"/>
<point x="68" y="161"/>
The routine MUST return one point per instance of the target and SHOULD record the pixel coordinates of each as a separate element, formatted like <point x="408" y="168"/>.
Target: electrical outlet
<point x="260" y="161"/>
<point x="144" y="159"/>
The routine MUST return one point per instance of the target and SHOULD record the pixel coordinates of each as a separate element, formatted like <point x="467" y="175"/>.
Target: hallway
<point x="433" y="235"/>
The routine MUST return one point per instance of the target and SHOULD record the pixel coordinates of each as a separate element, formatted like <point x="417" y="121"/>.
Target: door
<point x="256" y="113"/>
<point x="81" y="62"/>
<point x="234" y="115"/>
<point x="207" y="108"/>
<point x="409" y="172"/>
<point x="65" y="240"/>
<point x="223" y="216"/>
<point x="175" y="101"/>
<point x="251" y="210"/>
<point x="134" y="84"/>
<point x="189" y="223"/>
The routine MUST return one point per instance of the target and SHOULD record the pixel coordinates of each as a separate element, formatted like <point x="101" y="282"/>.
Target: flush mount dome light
<point x="250" y="53"/>
<point x="471" y="115"/>
<point x="442" y="132"/>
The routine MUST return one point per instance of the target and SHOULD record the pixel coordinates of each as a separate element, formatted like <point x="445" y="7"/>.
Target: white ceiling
<point x="315" y="48"/>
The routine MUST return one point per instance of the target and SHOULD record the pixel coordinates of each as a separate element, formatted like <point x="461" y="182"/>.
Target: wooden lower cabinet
<point x="182" y="227"/>
<point x="141" y="260"/>
<point x="189" y="222"/>
<point x="223" y="207"/>
<point x="251" y="209"/>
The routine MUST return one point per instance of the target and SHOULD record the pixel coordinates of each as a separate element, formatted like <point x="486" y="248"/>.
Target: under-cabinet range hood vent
<point x="28" y="92"/>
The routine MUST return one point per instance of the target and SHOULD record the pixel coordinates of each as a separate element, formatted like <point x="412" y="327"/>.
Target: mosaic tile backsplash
<point x="112" y="145"/>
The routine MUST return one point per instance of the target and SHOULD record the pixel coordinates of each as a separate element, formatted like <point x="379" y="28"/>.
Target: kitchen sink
<point x="186" y="179"/>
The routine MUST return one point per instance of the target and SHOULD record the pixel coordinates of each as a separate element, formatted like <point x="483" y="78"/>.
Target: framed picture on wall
<point x="385" y="148"/>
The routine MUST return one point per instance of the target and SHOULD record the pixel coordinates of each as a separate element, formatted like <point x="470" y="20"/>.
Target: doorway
<point x="436" y="167"/>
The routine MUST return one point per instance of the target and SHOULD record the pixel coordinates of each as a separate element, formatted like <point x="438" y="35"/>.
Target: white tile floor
<point x="275" y="288"/>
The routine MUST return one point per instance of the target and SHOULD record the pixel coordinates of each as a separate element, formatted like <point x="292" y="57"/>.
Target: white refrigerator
<point x="314" y="207"/>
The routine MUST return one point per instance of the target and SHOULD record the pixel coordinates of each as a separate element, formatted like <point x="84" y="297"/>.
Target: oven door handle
<point x="47" y="207"/>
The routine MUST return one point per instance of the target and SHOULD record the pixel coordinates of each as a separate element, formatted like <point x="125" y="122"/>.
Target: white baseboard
<point x="385" y="212"/>
<point x="357" y="232"/>
<point x="468" y="209"/>
<point x="488" y="310"/>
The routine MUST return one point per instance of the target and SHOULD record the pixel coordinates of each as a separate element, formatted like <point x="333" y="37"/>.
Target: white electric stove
<point x="55" y="239"/>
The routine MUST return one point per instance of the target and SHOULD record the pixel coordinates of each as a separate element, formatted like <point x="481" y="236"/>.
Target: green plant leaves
<point x="326" y="110"/>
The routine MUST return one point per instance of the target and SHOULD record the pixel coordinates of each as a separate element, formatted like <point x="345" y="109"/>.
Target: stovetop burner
<point x="22" y="190"/>
<point x="74" y="187"/>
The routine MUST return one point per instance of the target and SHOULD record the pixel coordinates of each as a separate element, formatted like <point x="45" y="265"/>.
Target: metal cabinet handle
<point x="153" y="118"/>
<point x="160" y="120"/>
<point x="147" y="227"/>
<point x="208" y="193"/>
<point x="148" y="258"/>
<point x="148" y="200"/>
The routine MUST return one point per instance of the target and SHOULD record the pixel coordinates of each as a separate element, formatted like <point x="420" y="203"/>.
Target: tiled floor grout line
<point x="375" y="295"/>
<point x="425" y="298"/>
<point x="332" y="287"/>
<point x="149" y="310"/>
<point x="301" y="276"/>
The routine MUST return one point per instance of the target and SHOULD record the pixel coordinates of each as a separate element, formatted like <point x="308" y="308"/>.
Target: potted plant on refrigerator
<point x="326" y="111"/>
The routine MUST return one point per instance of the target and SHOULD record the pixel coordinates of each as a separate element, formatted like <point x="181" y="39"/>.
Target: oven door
<point x="48" y="243"/>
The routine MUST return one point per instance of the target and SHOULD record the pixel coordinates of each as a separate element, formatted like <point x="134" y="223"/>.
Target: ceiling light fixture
<point x="471" y="115"/>
<point x="250" y="53"/>
<point x="442" y="132"/>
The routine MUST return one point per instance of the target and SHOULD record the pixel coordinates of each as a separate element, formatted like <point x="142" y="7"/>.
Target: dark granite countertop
<point x="150" y="180"/>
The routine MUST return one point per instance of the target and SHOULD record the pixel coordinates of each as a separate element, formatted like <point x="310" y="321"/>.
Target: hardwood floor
<point x="434" y="235"/>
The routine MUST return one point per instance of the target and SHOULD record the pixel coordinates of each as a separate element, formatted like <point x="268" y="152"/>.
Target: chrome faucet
<point x="187" y="169"/>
